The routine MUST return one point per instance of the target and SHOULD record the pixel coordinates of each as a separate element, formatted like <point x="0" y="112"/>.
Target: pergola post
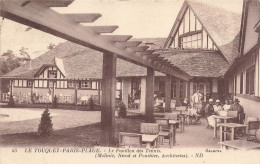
<point x="188" y="90"/>
<point x="32" y="90"/>
<point x="149" y="99"/>
<point x="53" y="90"/>
<point x="108" y="98"/>
<point x="168" y="93"/>
<point x="99" y="99"/>
<point x="76" y="94"/>
<point x="11" y="87"/>
<point x="178" y="91"/>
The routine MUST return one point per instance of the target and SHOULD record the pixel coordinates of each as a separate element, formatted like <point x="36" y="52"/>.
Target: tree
<point x="91" y="104"/>
<point x="55" y="102"/>
<point x="45" y="127"/>
<point x="11" y="101"/>
<point x="25" y="57"/>
<point x="9" y="62"/>
<point x="122" y="110"/>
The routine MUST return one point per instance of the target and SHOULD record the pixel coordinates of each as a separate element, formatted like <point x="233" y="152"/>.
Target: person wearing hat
<point x="237" y="107"/>
<point x="209" y="111"/>
<point x="217" y="107"/>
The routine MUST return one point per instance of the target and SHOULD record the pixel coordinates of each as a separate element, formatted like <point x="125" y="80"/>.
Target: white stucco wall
<point x="252" y="108"/>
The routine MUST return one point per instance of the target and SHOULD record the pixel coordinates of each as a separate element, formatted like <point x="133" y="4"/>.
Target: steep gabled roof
<point x="198" y="63"/>
<point x="78" y="63"/>
<point x="222" y="26"/>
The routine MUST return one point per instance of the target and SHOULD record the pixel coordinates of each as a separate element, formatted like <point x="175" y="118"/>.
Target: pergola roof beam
<point x="83" y="18"/>
<point x="117" y="38"/>
<point x="46" y="19"/>
<point x="53" y="3"/>
<point x="102" y="29"/>
<point x="158" y="59"/>
<point x="140" y="48"/>
<point x="131" y="43"/>
<point x="152" y="56"/>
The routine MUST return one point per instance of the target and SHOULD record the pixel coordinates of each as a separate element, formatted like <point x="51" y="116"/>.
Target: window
<point x="16" y="83"/>
<point x="250" y="80"/>
<point x="118" y="85"/>
<point x="20" y="84"/>
<point x="191" y="41"/>
<point x="72" y="84"/>
<point x="85" y="84"/>
<point x="241" y="83"/>
<point x="95" y="84"/>
<point x="52" y="74"/>
<point x="29" y="83"/>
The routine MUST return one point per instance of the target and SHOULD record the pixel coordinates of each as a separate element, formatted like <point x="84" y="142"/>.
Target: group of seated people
<point x="212" y="109"/>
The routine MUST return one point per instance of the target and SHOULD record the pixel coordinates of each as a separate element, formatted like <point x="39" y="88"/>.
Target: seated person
<point x="209" y="112"/>
<point x="217" y="107"/>
<point x="185" y="102"/>
<point x="194" y="113"/>
<point x="237" y="107"/>
<point x="227" y="105"/>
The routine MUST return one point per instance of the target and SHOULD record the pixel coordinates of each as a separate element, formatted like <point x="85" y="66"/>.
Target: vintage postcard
<point x="129" y="81"/>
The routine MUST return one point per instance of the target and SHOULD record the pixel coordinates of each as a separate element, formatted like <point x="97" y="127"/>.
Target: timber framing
<point x="37" y="14"/>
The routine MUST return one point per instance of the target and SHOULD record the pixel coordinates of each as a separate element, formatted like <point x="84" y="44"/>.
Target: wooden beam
<point x="147" y="52"/>
<point x="46" y="19"/>
<point x="108" y="98"/>
<point x="158" y="59"/>
<point x="152" y="56"/>
<point x="131" y="43"/>
<point x="102" y="29"/>
<point x="168" y="93"/>
<point x="52" y="3"/>
<point x="178" y="91"/>
<point x="140" y="48"/>
<point x="117" y="38"/>
<point x="83" y="18"/>
<point x="149" y="96"/>
<point x="164" y="61"/>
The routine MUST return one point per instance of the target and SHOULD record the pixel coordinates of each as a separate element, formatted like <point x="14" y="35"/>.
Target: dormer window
<point x="52" y="74"/>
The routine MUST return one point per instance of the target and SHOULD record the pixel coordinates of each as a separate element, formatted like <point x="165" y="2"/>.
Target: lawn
<point x="83" y="129"/>
<point x="81" y="136"/>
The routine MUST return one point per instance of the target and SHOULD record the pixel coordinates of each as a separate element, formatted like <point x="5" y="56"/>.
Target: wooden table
<point x="225" y="119"/>
<point x="239" y="144"/>
<point x="173" y="125"/>
<point x="162" y="115"/>
<point x="187" y="115"/>
<point x="149" y="139"/>
<point x="232" y="126"/>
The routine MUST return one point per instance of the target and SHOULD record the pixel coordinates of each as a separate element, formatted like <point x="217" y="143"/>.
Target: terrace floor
<point x="82" y="128"/>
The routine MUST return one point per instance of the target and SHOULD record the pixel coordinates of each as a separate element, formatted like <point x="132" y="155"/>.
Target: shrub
<point x="11" y="101"/>
<point x="122" y="110"/>
<point x="91" y="104"/>
<point x="45" y="126"/>
<point x="55" y="102"/>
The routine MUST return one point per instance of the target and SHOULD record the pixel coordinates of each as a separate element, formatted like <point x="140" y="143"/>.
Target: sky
<point x="139" y="18"/>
